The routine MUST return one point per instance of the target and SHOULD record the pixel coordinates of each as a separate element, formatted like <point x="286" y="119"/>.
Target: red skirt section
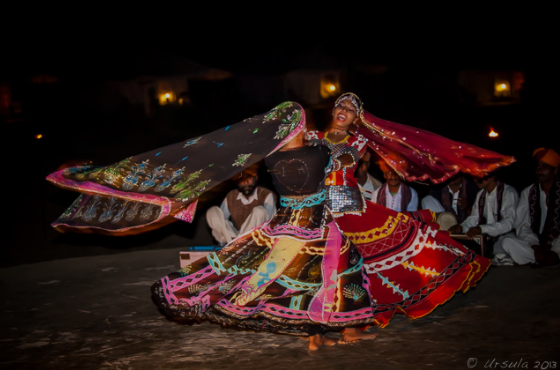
<point x="412" y="266"/>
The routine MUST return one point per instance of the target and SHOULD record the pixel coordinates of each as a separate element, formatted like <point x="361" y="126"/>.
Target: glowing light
<point x="502" y="88"/>
<point x="38" y="136"/>
<point x="492" y="133"/>
<point x="166" y="98"/>
<point x="330" y="86"/>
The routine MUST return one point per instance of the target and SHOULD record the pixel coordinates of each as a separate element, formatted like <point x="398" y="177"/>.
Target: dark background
<point x="424" y="56"/>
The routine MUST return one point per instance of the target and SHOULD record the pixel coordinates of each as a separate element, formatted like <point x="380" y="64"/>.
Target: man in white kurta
<point x="367" y="183"/>
<point x="394" y="190"/>
<point x="242" y="209"/>
<point x="457" y="197"/>
<point x="496" y="220"/>
<point x="525" y="245"/>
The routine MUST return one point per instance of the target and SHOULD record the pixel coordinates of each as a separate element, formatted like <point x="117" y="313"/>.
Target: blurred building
<point x="311" y="78"/>
<point x="142" y="82"/>
<point x="490" y="87"/>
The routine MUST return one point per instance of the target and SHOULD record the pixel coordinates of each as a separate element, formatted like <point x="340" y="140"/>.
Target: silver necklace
<point x="339" y="132"/>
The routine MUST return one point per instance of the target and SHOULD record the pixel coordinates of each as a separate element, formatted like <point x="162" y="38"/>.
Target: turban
<point x="250" y="171"/>
<point x="547" y="156"/>
<point x="392" y="161"/>
<point x="383" y="166"/>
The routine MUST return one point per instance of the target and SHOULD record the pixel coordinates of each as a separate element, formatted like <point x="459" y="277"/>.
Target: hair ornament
<point x="353" y="98"/>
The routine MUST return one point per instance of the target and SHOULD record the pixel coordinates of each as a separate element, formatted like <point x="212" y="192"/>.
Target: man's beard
<point x="246" y="190"/>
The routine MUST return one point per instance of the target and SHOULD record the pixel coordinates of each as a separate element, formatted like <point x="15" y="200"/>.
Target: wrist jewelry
<point x="337" y="164"/>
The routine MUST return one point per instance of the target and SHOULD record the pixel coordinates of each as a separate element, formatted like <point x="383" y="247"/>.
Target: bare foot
<point x="329" y="341"/>
<point x="352" y="335"/>
<point x="318" y="340"/>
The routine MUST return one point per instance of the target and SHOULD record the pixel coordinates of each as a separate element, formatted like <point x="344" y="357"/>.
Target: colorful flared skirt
<point x="296" y="274"/>
<point x="412" y="266"/>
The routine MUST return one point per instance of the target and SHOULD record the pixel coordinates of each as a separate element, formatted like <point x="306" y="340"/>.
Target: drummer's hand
<point x="474" y="231"/>
<point x="455" y="229"/>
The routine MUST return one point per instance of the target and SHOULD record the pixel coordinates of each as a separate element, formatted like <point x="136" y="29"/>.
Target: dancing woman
<point x="412" y="267"/>
<point x="295" y="274"/>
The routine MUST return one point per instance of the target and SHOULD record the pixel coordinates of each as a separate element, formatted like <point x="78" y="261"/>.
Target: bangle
<point x="354" y="153"/>
<point x="337" y="165"/>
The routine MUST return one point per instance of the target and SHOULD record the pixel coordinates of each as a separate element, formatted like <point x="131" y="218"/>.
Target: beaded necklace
<point x="336" y="148"/>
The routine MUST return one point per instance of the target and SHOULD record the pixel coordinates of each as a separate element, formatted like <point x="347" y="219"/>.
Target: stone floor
<point x="95" y="312"/>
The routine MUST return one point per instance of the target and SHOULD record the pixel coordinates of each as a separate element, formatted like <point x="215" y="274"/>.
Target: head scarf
<point x="149" y="190"/>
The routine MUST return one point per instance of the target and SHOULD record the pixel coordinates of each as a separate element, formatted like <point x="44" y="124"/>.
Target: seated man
<point x="367" y="183"/>
<point x="394" y="193"/>
<point x="242" y="209"/>
<point x="456" y="196"/>
<point x="493" y="211"/>
<point x="537" y="237"/>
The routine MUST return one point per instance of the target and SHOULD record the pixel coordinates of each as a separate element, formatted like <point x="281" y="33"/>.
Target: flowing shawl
<point x="419" y="155"/>
<point x="149" y="190"/>
<point x="551" y="229"/>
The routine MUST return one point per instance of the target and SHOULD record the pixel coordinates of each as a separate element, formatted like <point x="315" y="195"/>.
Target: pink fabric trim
<point x="321" y="306"/>
<point x="89" y="187"/>
<point x="292" y="134"/>
<point x="177" y="284"/>
<point x="187" y="214"/>
<point x="292" y="230"/>
<point x="275" y="310"/>
<point x="92" y="188"/>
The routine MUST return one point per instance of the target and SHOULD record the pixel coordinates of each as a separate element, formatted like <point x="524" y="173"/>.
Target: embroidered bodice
<point x="344" y="194"/>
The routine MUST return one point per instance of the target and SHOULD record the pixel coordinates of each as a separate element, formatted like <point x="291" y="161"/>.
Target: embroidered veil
<point x="420" y="155"/>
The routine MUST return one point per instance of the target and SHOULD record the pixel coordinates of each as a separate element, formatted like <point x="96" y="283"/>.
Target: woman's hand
<point x="347" y="160"/>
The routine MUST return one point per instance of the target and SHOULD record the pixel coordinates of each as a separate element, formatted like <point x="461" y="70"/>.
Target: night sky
<point x="444" y="38"/>
<point x="79" y="49"/>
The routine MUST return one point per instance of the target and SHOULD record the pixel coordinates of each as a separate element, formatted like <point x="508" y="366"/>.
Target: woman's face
<point x="344" y="114"/>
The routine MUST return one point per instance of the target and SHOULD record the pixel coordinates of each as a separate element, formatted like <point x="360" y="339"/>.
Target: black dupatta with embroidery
<point x="149" y="190"/>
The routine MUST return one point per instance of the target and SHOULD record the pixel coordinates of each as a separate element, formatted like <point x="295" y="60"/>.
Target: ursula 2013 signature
<point x="494" y="363"/>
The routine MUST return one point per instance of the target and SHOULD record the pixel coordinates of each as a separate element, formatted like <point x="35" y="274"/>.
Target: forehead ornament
<point x="353" y="100"/>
